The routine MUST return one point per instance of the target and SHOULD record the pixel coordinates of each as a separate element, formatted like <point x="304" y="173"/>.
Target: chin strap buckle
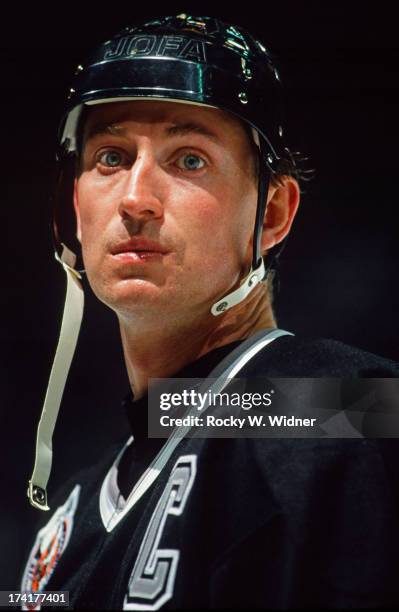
<point x="37" y="496"/>
<point x="254" y="277"/>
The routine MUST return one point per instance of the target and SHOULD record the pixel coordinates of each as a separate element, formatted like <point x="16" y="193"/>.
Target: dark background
<point x="339" y="63"/>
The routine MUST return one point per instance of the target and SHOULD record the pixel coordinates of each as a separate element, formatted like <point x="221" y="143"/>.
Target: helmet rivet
<point x="247" y="72"/>
<point x="243" y="97"/>
<point x="270" y="159"/>
<point x="222" y="307"/>
<point x="38" y="494"/>
<point x="79" y="68"/>
<point x="280" y="130"/>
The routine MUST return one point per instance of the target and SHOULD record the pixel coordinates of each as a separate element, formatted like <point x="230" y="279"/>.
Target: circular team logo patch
<point x="50" y="543"/>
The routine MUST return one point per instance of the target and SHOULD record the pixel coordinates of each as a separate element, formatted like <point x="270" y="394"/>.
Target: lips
<point x="139" y="246"/>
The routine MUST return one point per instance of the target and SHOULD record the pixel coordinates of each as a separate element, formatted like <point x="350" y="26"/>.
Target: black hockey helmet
<point x="198" y="60"/>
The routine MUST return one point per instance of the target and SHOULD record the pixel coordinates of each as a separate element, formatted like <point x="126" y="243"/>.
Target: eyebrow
<point x="182" y="129"/>
<point x="104" y="128"/>
<point x="179" y="129"/>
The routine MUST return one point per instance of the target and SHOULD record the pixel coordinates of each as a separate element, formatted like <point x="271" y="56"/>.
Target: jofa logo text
<point x="161" y="46"/>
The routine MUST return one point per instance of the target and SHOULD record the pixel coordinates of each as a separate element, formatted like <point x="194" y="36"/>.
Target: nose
<point x="141" y="200"/>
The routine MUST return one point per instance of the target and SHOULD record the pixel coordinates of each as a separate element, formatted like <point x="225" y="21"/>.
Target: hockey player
<point x="173" y="152"/>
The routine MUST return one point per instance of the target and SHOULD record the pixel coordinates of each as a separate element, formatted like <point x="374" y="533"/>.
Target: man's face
<point x="165" y="201"/>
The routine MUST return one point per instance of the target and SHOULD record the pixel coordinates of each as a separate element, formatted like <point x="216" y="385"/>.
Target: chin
<point x="132" y="296"/>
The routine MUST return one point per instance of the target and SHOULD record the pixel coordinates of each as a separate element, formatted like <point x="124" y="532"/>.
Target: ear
<point x="282" y="206"/>
<point x="77" y="211"/>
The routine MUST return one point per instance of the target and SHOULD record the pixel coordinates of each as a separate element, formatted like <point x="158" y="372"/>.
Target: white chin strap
<point x="71" y="321"/>
<point x="238" y="295"/>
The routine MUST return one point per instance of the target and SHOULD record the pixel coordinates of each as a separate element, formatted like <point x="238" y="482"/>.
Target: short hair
<point x="287" y="166"/>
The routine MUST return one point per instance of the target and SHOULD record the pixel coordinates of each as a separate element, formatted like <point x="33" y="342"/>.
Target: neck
<point x="166" y="349"/>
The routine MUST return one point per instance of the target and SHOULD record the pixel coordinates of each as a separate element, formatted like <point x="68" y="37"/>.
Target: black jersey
<point x="241" y="523"/>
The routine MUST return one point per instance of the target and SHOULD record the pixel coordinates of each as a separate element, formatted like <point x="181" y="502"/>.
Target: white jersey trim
<point x="113" y="507"/>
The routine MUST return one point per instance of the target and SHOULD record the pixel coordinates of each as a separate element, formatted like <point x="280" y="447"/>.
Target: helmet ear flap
<point x="64" y="227"/>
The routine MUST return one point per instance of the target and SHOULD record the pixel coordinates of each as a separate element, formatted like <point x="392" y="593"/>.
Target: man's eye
<point x="190" y="161"/>
<point x="112" y="159"/>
